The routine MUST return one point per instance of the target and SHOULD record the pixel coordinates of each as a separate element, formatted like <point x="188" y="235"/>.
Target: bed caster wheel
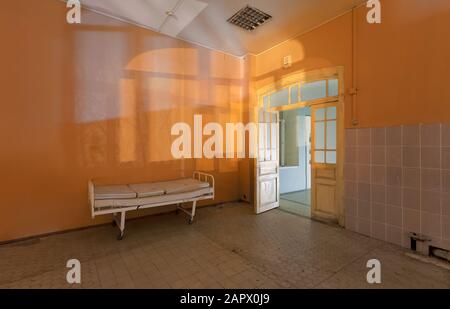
<point x="191" y="221"/>
<point x="120" y="236"/>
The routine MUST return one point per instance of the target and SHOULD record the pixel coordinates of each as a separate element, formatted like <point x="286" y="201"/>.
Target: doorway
<point x="300" y="136"/>
<point x="295" y="161"/>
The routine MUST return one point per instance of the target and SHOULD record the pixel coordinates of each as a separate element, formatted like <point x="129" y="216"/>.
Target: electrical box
<point x="287" y="61"/>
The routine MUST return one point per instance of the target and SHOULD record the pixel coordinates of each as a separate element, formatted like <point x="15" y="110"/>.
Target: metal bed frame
<point x="119" y="213"/>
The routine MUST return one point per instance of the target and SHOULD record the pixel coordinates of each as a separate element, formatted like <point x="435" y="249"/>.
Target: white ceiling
<point x="205" y="21"/>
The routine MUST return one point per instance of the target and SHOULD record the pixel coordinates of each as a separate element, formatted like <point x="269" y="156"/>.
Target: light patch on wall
<point x="236" y="68"/>
<point x="127" y="122"/>
<point x="158" y="136"/>
<point x="163" y="93"/>
<point x="236" y="97"/>
<point x="217" y="65"/>
<point x="127" y="98"/>
<point x="226" y="67"/>
<point x="194" y="93"/>
<point x="97" y="74"/>
<point x="94" y="145"/>
<point x="190" y="61"/>
<point x="229" y="165"/>
<point x="159" y="61"/>
<point x="220" y="96"/>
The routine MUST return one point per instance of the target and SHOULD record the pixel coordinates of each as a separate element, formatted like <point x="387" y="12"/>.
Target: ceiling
<point x="205" y="21"/>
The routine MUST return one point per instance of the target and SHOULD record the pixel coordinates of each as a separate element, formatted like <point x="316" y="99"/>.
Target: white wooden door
<point x="267" y="163"/>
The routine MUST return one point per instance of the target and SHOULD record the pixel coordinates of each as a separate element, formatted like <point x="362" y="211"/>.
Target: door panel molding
<point x="267" y="189"/>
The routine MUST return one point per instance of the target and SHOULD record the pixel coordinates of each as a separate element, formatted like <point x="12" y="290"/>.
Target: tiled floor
<point x="302" y="197"/>
<point x="298" y="203"/>
<point x="227" y="247"/>
<point x="295" y="208"/>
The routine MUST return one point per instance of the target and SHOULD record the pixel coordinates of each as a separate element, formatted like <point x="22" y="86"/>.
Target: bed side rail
<point x="206" y="178"/>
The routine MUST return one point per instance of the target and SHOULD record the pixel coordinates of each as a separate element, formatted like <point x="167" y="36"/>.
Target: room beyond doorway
<point x="295" y="158"/>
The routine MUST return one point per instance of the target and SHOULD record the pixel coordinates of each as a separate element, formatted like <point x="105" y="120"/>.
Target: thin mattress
<point x="150" y="193"/>
<point x="161" y="199"/>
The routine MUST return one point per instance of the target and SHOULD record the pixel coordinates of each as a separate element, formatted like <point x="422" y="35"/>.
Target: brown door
<point x="325" y="158"/>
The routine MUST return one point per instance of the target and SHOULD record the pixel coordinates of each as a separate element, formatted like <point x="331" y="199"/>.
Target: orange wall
<point x="327" y="46"/>
<point x="98" y="100"/>
<point x="402" y="64"/>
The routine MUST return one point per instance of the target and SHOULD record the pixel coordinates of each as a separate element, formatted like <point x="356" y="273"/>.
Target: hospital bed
<point x="119" y="199"/>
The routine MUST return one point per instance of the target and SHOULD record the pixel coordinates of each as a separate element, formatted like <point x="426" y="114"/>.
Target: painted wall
<point x="98" y="100"/>
<point x="402" y="64"/>
<point x="292" y="179"/>
<point x="327" y="46"/>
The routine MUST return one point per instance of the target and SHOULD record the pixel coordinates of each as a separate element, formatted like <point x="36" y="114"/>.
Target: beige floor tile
<point x="227" y="247"/>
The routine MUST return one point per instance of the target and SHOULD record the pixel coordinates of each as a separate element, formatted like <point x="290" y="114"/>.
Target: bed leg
<point x="194" y="206"/>
<point x="122" y="226"/>
<point x="114" y="222"/>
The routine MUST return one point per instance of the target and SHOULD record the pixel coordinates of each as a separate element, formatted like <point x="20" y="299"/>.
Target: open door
<point x="267" y="163"/>
<point x="324" y="155"/>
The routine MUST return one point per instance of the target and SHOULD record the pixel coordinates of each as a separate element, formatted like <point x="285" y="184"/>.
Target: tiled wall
<point x="397" y="180"/>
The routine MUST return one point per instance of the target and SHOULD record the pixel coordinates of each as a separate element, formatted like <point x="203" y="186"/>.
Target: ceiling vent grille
<point x="249" y="18"/>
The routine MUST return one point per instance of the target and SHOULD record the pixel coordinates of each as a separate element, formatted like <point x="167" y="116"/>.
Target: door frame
<point x="306" y="77"/>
